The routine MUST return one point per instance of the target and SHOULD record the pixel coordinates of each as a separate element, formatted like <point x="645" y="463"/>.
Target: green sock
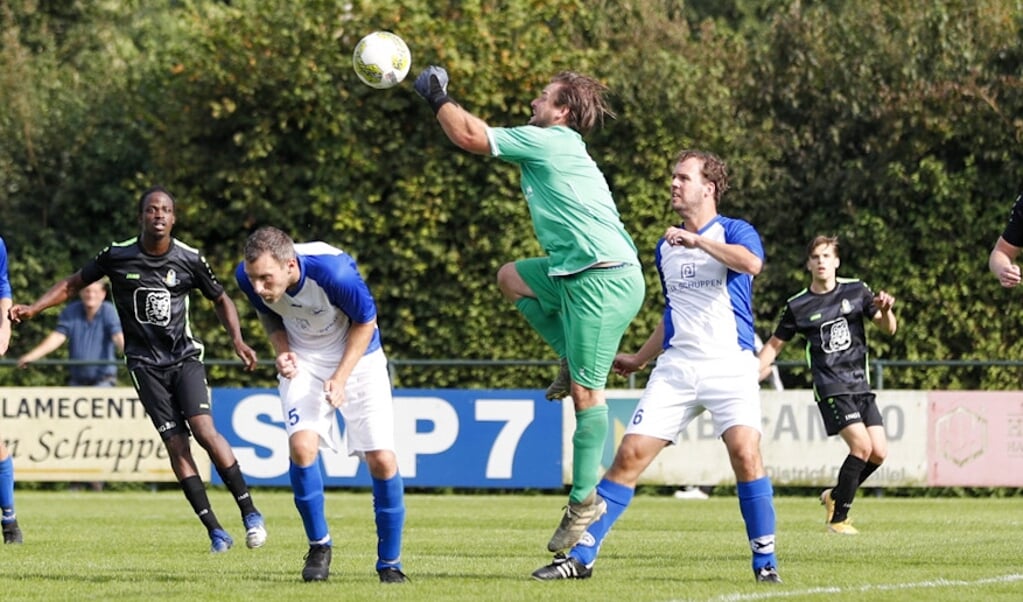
<point x="587" y="449"/>
<point x="548" y="325"/>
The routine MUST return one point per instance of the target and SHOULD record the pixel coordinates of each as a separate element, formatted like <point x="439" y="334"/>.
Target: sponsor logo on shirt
<point x="688" y="272"/>
<point x="694" y="284"/>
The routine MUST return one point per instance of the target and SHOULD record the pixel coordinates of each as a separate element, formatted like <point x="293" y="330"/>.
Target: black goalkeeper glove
<point x="432" y="84"/>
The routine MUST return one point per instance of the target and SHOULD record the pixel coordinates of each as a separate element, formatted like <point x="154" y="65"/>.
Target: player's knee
<point x="584" y="398"/>
<point x="177" y="445"/>
<point x="747" y="464"/>
<point x="303" y="453"/>
<point x="629" y="462"/>
<point x="510" y="283"/>
<point x="206" y="438"/>
<point x="864" y="451"/>
<point x="746" y="461"/>
<point x="382" y="464"/>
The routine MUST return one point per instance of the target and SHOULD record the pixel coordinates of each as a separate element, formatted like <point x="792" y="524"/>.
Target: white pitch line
<point x="937" y="583"/>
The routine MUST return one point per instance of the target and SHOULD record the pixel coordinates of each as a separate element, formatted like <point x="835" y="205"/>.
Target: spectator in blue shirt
<point x="93" y="332"/>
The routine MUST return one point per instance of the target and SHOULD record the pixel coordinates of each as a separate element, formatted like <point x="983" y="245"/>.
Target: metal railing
<point x="878" y="366"/>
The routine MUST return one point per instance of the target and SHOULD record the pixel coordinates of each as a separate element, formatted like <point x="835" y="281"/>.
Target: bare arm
<point x="885" y="318"/>
<point x="736" y="257"/>
<point x="51" y="343"/>
<point x="464" y="129"/>
<point x="768" y="354"/>
<point x="285" y="361"/>
<point x="118" y="340"/>
<point x="359" y="338"/>
<point x="5" y="325"/>
<point x="274" y="327"/>
<point x="1002" y="263"/>
<point x="228" y="315"/>
<point x="58" y="293"/>
<point x="627" y="363"/>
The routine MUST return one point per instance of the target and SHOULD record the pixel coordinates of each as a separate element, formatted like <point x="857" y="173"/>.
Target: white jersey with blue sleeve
<point x="708" y="307"/>
<point x="317" y="312"/>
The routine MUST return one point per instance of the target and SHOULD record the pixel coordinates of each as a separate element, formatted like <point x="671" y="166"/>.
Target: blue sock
<point x="7" y="489"/>
<point x="307" y="485"/>
<point x="756" y="502"/>
<point x="389" y="509"/>
<point x="618" y="498"/>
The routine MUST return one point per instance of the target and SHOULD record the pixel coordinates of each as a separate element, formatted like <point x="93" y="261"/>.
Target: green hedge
<point x="893" y="125"/>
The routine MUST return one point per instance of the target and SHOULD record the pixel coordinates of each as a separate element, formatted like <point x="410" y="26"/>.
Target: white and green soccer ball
<point x="381" y="59"/>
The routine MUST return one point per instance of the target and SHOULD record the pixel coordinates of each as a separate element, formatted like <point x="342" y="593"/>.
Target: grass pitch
<point x="145" y="546"/>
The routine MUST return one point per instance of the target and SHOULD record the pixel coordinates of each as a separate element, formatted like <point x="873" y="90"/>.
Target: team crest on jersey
<point x="689" y="270"/>
<point x="835" y="336"/>
<point x="846" y="306"/>
<point x="171" y="279"/>
<point x="153" y="306"/>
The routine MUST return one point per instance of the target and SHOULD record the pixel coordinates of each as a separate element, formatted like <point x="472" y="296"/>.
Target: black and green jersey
<point x="836" y="342"/>
<point x="151" y="294"/>
<point x="1013" y="233"/>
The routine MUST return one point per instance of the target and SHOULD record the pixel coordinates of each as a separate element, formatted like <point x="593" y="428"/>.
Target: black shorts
<point x="840" y="411"/>
<point x="172" y="394"/>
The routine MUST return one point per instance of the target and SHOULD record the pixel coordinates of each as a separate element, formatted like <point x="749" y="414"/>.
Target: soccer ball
<point x="381" y="59"/>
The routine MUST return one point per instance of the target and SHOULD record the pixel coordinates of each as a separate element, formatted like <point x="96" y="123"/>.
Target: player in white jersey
<point x="8" y="519"/>
<point x="705" y="342"/>
<point x="321" y="320"/>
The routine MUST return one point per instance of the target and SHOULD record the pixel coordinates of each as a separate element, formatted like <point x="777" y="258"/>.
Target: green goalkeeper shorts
<point x="595" y="307"/>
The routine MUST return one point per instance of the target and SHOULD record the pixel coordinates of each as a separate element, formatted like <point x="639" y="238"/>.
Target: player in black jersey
<point x="830" y="315"/>
<point x="1002" y="261"/>
<point x="151" y="277"/>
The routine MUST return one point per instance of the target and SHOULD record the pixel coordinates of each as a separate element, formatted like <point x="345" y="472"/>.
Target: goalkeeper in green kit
<point x="582" y="296"/>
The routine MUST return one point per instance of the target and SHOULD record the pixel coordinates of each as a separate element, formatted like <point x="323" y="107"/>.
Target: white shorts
<point x="679" y="390"/>
<point x="368" y="411"/>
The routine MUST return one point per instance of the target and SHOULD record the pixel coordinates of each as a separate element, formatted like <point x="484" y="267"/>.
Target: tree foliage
<point x="893" y="125"/>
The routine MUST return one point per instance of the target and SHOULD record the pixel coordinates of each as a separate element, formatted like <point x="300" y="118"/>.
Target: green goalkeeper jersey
<point x="570" y="203"/>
